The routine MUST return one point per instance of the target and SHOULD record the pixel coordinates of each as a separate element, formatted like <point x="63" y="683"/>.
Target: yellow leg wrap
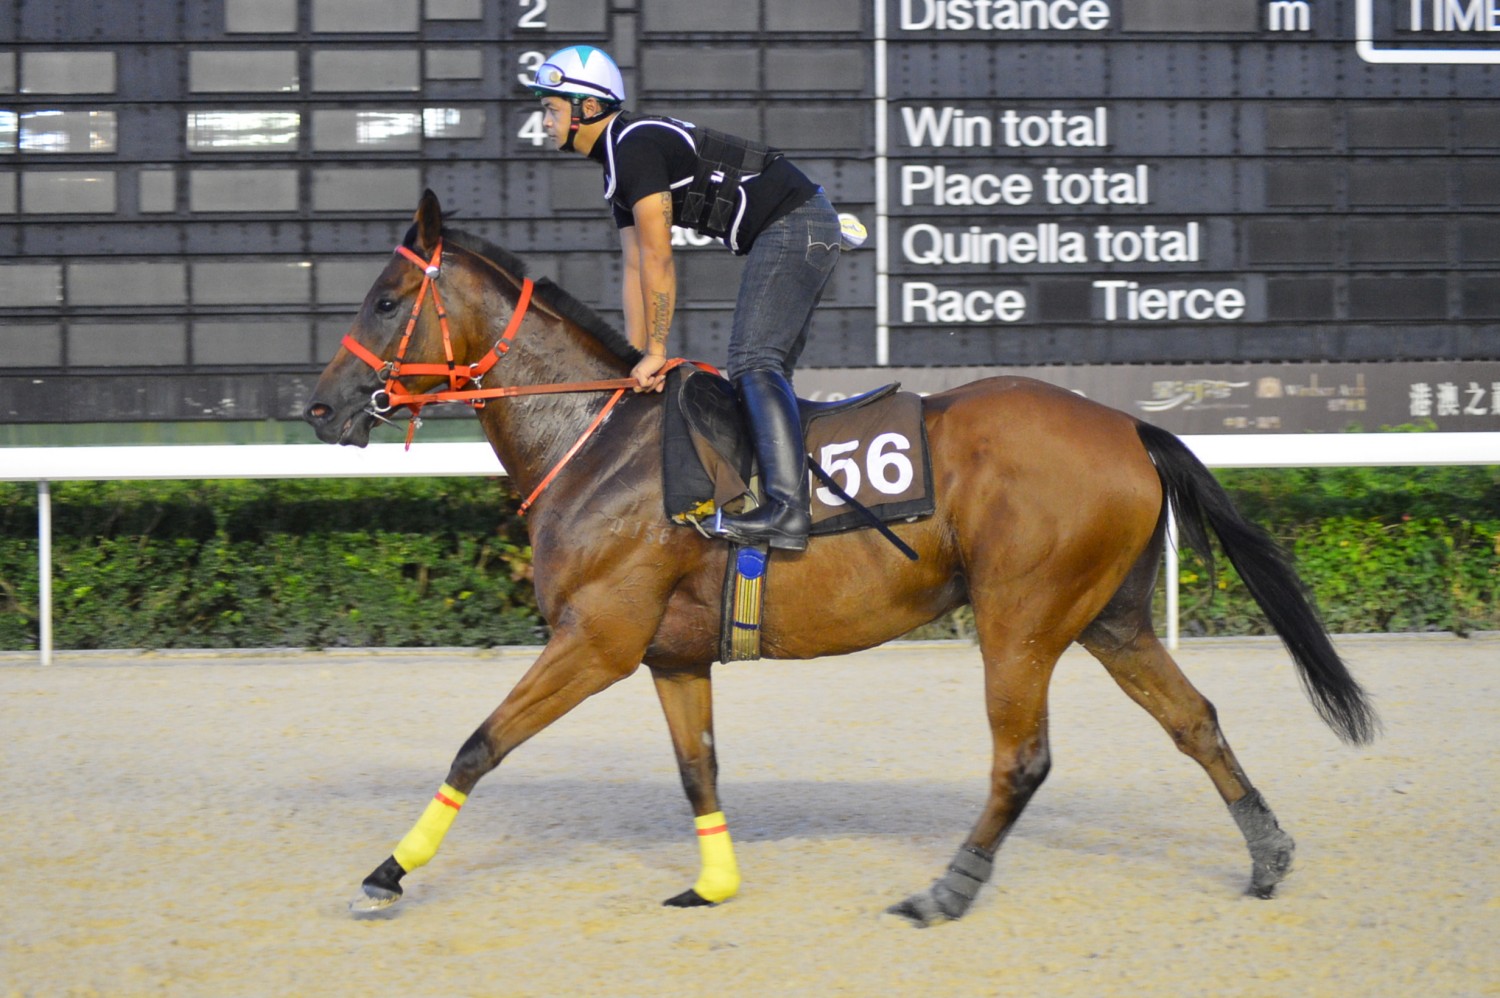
<point x="421" y="843"/>
<point x="719" y="879"/>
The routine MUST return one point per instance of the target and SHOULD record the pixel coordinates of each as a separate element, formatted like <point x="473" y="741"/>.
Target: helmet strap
<point x="578" y="119"/>
<point x="576" y="105"/>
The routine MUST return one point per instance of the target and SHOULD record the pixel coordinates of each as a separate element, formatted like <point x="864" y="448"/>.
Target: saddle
<point x="875" y="442"/>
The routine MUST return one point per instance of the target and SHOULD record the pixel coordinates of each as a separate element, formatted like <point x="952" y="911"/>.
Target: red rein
<point x="460" y="377"/>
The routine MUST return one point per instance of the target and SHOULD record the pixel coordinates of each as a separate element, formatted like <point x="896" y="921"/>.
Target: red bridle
<point x="394" y="394"/>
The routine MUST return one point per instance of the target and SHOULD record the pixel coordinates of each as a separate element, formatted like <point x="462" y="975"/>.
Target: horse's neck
<point x="531" y="433"/>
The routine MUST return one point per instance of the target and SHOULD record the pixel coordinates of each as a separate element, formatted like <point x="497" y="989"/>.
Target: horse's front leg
<point x="687" y="700"/>
<point x="573" y="667"/>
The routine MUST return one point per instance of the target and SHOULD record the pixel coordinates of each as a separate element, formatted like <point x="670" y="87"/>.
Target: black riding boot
<point x="782" y="521"/>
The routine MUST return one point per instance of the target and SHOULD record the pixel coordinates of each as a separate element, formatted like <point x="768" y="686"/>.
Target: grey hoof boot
<point x="950" y="897"/>
<point x="1271" y="849"/>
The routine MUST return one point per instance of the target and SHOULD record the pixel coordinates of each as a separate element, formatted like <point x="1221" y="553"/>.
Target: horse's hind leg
<point x="1017" y="670"/>
<point x="687" y="701"/>
<point x="1123" y="640"/>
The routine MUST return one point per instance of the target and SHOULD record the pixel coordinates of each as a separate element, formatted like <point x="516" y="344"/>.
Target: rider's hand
<point x="647" y="373"/>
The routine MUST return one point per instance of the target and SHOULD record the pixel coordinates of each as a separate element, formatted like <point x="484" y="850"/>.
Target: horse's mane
<point x="546" y="291"/>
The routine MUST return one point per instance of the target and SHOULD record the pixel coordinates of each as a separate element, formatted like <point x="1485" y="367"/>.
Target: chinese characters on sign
<point x="1447" y="399"/>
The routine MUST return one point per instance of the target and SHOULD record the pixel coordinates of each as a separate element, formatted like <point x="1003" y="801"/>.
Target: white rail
<point x="45" y="465"/>
<point x="103" y="464"/>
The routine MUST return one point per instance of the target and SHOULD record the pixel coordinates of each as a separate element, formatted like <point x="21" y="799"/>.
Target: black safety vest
<point x="712" y="204"/>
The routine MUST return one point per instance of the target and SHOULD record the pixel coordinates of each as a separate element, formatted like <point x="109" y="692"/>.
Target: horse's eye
<point x="385" y="306"/>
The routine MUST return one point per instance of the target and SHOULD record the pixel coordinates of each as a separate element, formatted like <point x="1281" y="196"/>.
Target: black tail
<point x="1197" y="499"/>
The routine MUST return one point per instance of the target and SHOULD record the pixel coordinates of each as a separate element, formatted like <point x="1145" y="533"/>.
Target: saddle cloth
<point x="874" y="445"/>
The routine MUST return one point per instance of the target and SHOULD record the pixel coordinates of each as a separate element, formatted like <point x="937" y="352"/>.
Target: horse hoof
<point x="688" y="899"/>
<point x="920" y="910"/>
<point x="1271" y="865"/>
<point x="939" y="903"/>
<point x="372" y="899"/>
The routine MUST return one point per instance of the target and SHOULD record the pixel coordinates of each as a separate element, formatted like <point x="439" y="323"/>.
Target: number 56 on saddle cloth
<point x="873" y="445"/>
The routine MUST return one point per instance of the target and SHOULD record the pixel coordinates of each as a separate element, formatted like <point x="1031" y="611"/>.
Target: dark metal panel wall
<point x="195" y="193"/>
<point x="208" y="242"/>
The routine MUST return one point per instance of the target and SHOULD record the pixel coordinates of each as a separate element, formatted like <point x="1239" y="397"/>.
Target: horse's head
<point x="402" y="332"/>
<point x="437" y="322"/>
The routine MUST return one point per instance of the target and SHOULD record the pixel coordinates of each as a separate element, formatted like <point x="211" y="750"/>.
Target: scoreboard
<point x="1221" y="215"/>
<point x="1280" y="215"/>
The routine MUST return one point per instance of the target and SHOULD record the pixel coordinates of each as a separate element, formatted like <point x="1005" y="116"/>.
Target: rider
<point x="660" y="172"/>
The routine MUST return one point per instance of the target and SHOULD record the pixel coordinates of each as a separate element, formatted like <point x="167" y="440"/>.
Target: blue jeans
<point x="785" y="274"/>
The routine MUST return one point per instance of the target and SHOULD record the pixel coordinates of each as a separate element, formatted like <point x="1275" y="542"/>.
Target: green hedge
<point x="434" y="562"/>
<point x="1383" y="549"/>
<point x="411" y="562"/>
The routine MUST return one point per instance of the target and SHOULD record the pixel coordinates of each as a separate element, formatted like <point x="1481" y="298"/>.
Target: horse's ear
<point x="429" y="219"/>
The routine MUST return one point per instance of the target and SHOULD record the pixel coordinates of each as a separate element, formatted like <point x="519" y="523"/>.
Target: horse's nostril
<point x="318" y="411"/>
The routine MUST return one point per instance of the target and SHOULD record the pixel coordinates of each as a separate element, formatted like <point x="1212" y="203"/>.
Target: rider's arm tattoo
<point x="661" y="320"/>
<point x="660" y="305"/>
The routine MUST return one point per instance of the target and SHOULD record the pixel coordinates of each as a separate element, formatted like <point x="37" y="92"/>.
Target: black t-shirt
<point x="645" y="156"/>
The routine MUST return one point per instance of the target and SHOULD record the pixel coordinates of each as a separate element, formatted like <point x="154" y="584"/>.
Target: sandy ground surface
<point x="194" y="824"/>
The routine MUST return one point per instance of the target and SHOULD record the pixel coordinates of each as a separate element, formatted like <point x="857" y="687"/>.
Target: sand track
<point x="181" y="824"/>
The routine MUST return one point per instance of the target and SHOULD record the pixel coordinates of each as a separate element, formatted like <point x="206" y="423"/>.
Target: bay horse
<point x="1050" y="518"/>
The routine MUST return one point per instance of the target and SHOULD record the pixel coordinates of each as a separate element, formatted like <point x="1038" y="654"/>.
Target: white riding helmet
<point x="580" y="71"/>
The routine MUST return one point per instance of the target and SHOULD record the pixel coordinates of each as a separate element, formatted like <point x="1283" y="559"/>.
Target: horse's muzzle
<point x="348" y="424"/>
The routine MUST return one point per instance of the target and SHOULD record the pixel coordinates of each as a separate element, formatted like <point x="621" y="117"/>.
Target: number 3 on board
<point x="532" y="131"/>
<point x="529" y="61"/>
